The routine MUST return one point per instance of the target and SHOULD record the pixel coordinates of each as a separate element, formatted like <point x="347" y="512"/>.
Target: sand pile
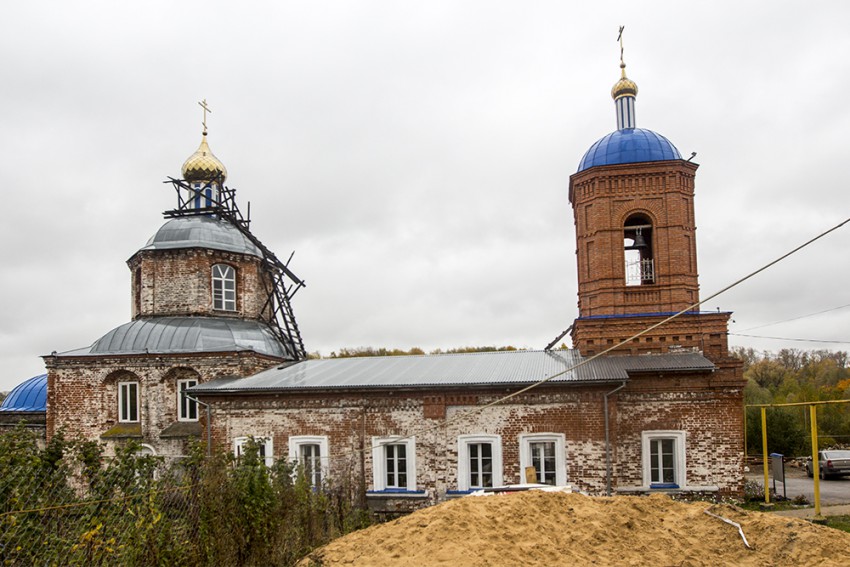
<point x="538" y="528"/>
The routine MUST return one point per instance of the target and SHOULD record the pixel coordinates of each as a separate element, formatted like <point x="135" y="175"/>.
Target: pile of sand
<point x="538" y="528"/>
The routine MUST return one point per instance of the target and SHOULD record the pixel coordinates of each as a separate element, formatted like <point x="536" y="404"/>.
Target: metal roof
<point x="30" y="395"/>
<point x="165" y="335"/>
<point x="470" y="369"/>
<point x="200" y="231"/>
<point x="629" y="145"/>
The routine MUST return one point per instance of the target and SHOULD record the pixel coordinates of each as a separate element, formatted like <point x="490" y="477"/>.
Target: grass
<point x="839" y="522"/>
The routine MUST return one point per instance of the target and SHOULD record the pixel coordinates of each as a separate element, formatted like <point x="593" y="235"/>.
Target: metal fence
<point x="68" y="504"/>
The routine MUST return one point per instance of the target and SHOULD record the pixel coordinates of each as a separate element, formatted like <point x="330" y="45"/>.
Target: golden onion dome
<point x="625" y="86"/>
<point x="203" y="165"/>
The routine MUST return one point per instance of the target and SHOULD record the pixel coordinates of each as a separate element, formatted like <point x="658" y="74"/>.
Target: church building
<point x="647" y="400"/>
<point x="208" y="300"/>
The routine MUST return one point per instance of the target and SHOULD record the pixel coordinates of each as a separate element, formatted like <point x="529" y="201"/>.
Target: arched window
<point x="637" y="245"/>
<point x="224" y="287"/>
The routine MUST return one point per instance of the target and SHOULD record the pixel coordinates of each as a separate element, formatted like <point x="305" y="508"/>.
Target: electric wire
<point x="792" y="319"/>
<point x="478" y="409"/>
<point x="789" y="339"/>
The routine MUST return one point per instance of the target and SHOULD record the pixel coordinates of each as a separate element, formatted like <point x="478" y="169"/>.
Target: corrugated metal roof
<point x="30" y="395"/>
<point x="164" y="335"/>
<point x="201" y="231"/>
<point x="472" y="369"/>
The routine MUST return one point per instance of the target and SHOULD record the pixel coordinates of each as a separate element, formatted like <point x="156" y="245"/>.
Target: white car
<point x="831" y="463"/>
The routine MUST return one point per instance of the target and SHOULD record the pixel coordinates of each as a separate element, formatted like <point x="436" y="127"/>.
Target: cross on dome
<point x="203" y="165"/>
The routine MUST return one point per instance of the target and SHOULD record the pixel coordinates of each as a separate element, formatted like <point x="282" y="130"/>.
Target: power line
<point x="794" y="319"/>
<point x="788" y="339"/>
<point x="478" y="409"/>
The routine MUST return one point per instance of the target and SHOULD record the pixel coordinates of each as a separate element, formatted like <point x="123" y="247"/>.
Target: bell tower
<point x="633" y="205"/>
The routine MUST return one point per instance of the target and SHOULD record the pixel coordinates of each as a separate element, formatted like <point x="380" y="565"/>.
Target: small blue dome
<point x="630" y="145"/>
<point x="30" y="395"/>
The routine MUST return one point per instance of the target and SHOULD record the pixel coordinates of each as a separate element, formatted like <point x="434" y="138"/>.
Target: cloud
<point x="416" y="156"/>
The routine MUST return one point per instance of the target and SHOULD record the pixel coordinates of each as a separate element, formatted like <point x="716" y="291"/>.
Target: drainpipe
<point x="608" y="440"/>
<point x="361" y="496"/>
<point x="209" y="423"/>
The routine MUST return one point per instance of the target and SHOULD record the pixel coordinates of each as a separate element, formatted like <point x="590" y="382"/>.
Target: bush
<point x="70" y="504"/>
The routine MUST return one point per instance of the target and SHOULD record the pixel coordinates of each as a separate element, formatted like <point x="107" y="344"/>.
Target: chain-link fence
<point x="66" y="504"/>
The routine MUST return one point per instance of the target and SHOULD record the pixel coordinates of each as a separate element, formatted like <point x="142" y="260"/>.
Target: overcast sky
<point x="416" y="157"/>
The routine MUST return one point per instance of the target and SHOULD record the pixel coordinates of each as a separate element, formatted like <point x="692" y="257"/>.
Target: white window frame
<point x="184" y="403"/>
<point x="222" y="274"/>
<point x="525" y="457"/>
<point x="122" y="418"/>
<point x="679" y="472"/>
<point x="463" y="470"/>
<point x="379" y="462"/>
<point x="295" y="443"/>
<point x="264" y="440"/>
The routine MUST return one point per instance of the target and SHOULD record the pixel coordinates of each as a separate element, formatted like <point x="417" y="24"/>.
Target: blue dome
<point x="30" y="395"/>
<point x="630" y="145"/>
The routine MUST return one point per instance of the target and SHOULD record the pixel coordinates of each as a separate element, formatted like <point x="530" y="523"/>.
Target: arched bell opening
<point x="637" y="248"/>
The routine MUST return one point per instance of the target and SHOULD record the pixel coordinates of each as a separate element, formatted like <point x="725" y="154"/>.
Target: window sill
<point x="665" y="490"/>
<point x="459" y="493"/>
<point x="123" y="431"/>
<point x="182" y="429"/>
<point x="396" y="494"/>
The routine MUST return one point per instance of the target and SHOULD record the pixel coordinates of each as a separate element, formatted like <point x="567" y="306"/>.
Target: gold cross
<point x="203" y="104"/>
<point x="620" y="39"/>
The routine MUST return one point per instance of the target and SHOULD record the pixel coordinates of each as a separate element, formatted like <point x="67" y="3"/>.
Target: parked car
<point x="831" y="463"/>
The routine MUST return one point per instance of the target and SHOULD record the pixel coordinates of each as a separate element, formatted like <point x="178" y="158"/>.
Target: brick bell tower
<point x="633" y="205"/>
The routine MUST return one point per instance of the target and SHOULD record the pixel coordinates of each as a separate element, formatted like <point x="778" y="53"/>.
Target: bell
<point x="640" y="241"/>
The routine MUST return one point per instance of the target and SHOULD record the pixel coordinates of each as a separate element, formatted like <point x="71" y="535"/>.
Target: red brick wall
<point x="705" y="332"/>
<point x="602" y="199"/>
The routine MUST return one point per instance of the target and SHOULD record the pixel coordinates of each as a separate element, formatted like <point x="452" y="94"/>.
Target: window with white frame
<point x="224" y="287"/>
<point x="663" y="459"/>
<point x="394" y="463"/>
<point x="128" y="402"/>
<point x="479" y="462"/>
<point x="265" y="448"/>
<point x="545" y="452"/>
<point x="187" y="408"/>
<point x="311" y="453"/>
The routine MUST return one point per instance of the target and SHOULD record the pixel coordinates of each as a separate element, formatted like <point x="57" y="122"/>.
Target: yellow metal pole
<point x="813" y="411"/>
<point x="764" y="454"/>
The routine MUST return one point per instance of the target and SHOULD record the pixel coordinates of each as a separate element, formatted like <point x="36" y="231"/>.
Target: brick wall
<point x="82" y="392"/>
<point x="603" y="198"/>
<point x="705" y="332"/>
<point x="179" y="282"/>
<point x="707" y="406"/>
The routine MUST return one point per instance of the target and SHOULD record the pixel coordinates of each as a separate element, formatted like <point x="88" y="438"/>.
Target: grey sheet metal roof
<point x="201" y="232"/>
<point x="486" y="368"/>
<point x="165" y="335"/>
